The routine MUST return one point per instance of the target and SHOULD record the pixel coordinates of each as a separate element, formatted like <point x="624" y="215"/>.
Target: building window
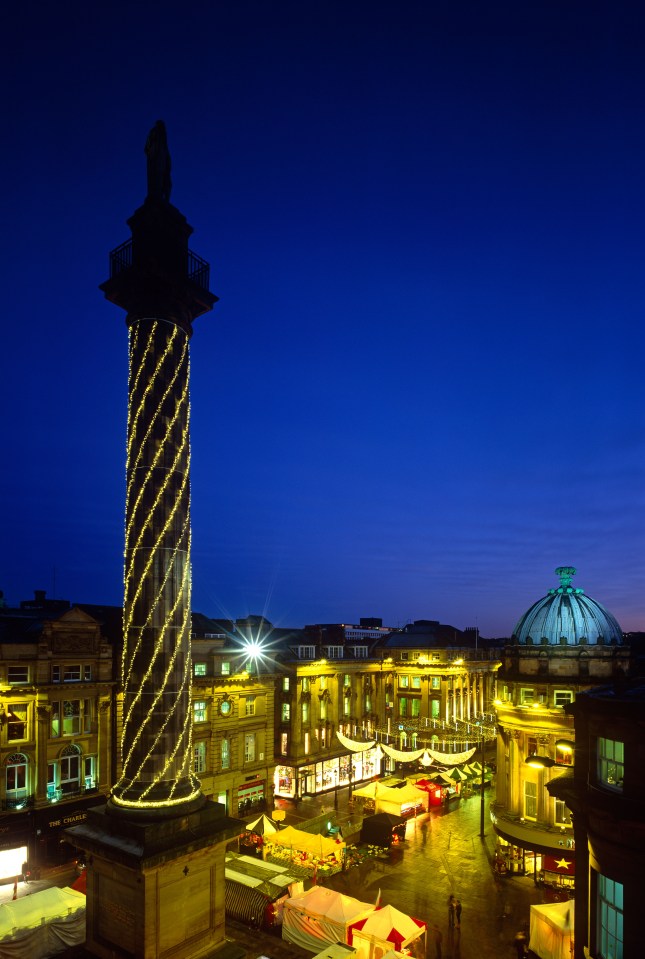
<point x="250" y="706"/>
<point x="199" y="711"/>
<point x="334" y="652"/>
<point x="611" y="763"/>
<point x="435" y="707"/>
<point x="610" y="918"/>
<point x="89" y="771"/>
<point x="347" y="706"/>
<point x="360" y="652"/>
<point x="71" y="717"/>
<point x="305" y="712"/>
<point x="284" y="744"/>
<point x="249" y="748"/>
<point x="17" y="675"/>
<point x="526" y="697"/>
<point x="531" y="746"/>
<point x="307" y="743"/>
<point x="200" y="669"/>
<point x="199" y="757"/>
<point x="562" y="696"/>
<point x="16" y="777"/>
<point x="347" y="680"/>
<point x="436" y="682"/>
<point x="403" y="706"/>
<point x="70" y="769"/>
<point x="225" y="754"/>
<point x="564" y="755"/>
<point x="286" y="712"/>
<point x="416" y="682"/>
<point x="17" y="722"/>
<point x="306" y="652"/>
<point x="285" y="684"/>
<point x="368" y="706"/>
<point x="404" y="682"/>
<point x="416" y="708"/>
<point x="530" y="800"/>
<point x="323" y="682"/>
<point x="562" y="814"/>
<point x="226" y="669"/>
<point x="305" y="684"/>
<point x="323" y="709"/>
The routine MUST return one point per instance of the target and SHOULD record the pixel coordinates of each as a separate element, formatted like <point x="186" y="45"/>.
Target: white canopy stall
<point x="321" y="916"/>
<point x="552" y="930"/>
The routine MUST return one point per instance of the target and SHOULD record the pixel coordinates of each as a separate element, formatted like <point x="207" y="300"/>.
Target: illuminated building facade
<point x="425" y="685"/>
<point x="606" y="792"/>
<point x="56" y="706"/>
<point x="564" y="644"/>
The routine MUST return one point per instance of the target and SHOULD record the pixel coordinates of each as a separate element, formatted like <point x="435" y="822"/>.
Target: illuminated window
<point x="435" y="707"/>
<point x="89" y="771"/>
<point x="526" y="697"/>
<point x="347" y="680"/>
<point x="564" y="755"/>
<point x="403" y="706"/>
<point x="70" y="769"/>
<point x="16" y="777"/>
<point x="284" y="744"/>
<point x="200" y="669"/>
<point x="609" y="914"/>
<point x="305" y="684"/>
<point x="436" y="682"/>
<point x="368" y="704"/>
<point x="199" y="711"/>
<point x="562" y="696"/>
<point x="562" y="814"/>
<point x="530" y="800"/>
<point x="285" y="684"/>
<point x="323" y="709"/>
<point x="307" y="743"/>
<point x="416" y="708"/>
<point x="225" y="754"/>
<point x="249" y="748"/>
<point x="347" y="706"/>
<point x="71" y="717"/>
<point x="323" y="682"/>
<point x="226" y="669"/>
<point x="531" y="746"/>
<point x="416" y="682"/>
<point x="404" y="682"/>
<point x="250" y="706"/>
<point x="611" y="763"/>
<point x="305" y="712"/>
<point x="199" y="757"/>
<point x="17" y="722"/>
<point x="286" y="712"/>
<point x="17" y="675"/>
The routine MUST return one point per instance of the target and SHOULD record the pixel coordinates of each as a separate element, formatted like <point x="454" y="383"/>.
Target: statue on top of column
<point x="158" y="165"/>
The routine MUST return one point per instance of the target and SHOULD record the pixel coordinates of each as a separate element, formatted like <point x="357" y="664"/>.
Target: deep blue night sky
<point x="421" y="390"/>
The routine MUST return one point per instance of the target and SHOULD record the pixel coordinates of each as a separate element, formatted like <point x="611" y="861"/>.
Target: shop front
<point x="251" y="797"/>
<point x="310" y="779"/>
<point x="52" y="847"/>
<point x="15" y="836"/>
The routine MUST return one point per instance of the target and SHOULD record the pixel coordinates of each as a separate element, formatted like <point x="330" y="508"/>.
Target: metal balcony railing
<point x="197" y="269"/>
<point x="15" y="804"/>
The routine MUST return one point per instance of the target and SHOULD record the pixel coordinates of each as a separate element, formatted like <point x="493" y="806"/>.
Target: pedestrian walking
<point x="438" y="939"/>
<point x="452" y="911"/>
<point x="458" y="912"/>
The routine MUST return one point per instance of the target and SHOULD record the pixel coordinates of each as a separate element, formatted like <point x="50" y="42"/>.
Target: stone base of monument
<point x="155" y="889"/>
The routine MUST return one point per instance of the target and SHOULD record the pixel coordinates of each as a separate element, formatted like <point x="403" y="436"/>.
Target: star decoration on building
<point x="562" y="863"/>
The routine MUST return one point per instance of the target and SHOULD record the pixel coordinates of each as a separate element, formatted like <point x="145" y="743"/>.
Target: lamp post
<point x="482" y="796"/>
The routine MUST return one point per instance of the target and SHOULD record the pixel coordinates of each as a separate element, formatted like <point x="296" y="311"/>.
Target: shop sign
<point x="564" y="865"/>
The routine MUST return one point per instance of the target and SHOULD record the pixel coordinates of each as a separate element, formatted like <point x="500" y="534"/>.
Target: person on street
<point x="437" y="939"/>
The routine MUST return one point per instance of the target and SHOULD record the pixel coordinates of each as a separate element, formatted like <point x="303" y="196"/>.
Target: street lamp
<point x="482" y="798"/>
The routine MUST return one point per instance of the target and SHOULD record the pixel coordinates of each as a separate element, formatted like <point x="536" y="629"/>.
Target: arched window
<point x="16" y="779"/>
<point x="70" y="769"/>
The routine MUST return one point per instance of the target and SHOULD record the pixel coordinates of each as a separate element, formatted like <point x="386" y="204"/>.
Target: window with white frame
<point x="225" y="754"/>
<point x="249" y="747"/>
<point x="334" y="652"/>
<point x="609" y="913"/>
<point x="611" y="763"/>
<point x="16" y="777"/>
<point x="304" y="708"/>
<point x="199" y="757"/>
<point x="305" y="684"/>
<point x="17" y="715"/>
<point x="199" y="669"/>
<point x="415" y="708"/>
<point x="562" y="696"/>
<point x="225" y="669"/>
<point x="526" y="696"/>
<point x="89" y="771"/>
<point x="404" y="682"/>
<point x="416" y="682"/>
<point x="70" y="769"/>
<point x="249" y="708"/>
<point x="306" y="652"/>
<point x="530" y="800"/>
<point x="562" y="814"/>
<point x="18" y="675"/>
<point x="360" y="652"/>
<point x="200" y="714"/>
<point x="436" y="682"/>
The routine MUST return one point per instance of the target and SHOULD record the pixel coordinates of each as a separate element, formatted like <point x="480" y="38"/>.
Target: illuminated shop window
<point x="17" y="675"/>
<point x="199" y="757"/>
<point x="611" y="763"/>
<point x="530" y="800"/>
<point x="199" y="711"/>
<point x="17" y="714"/>
<point x="609" y="918"/>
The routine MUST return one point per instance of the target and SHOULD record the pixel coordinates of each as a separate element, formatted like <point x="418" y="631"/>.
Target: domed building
<point x="565" y="643"/>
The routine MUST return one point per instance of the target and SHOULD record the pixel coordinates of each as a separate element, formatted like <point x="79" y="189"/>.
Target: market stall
<point x="304" y="848"/>
<point x="42" y="924"/>
<point x="321" y="916"/>
<point x="552" y="930"/>
<point x="383" y="829"/>
<point x="402" y="799"/>
<point x="386" y="929"/>
<point x="255" y="891"/>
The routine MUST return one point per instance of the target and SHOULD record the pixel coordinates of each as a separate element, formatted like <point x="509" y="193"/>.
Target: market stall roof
<point x="29" y="912"/>
<point x="390" y="925"/>
<point x="551" y="929"/>
<point x="262" y="826"/>
<point x="306" y="842"/>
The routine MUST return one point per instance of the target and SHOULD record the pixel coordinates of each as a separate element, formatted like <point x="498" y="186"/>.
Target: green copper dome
<point x="566" y="617"/>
